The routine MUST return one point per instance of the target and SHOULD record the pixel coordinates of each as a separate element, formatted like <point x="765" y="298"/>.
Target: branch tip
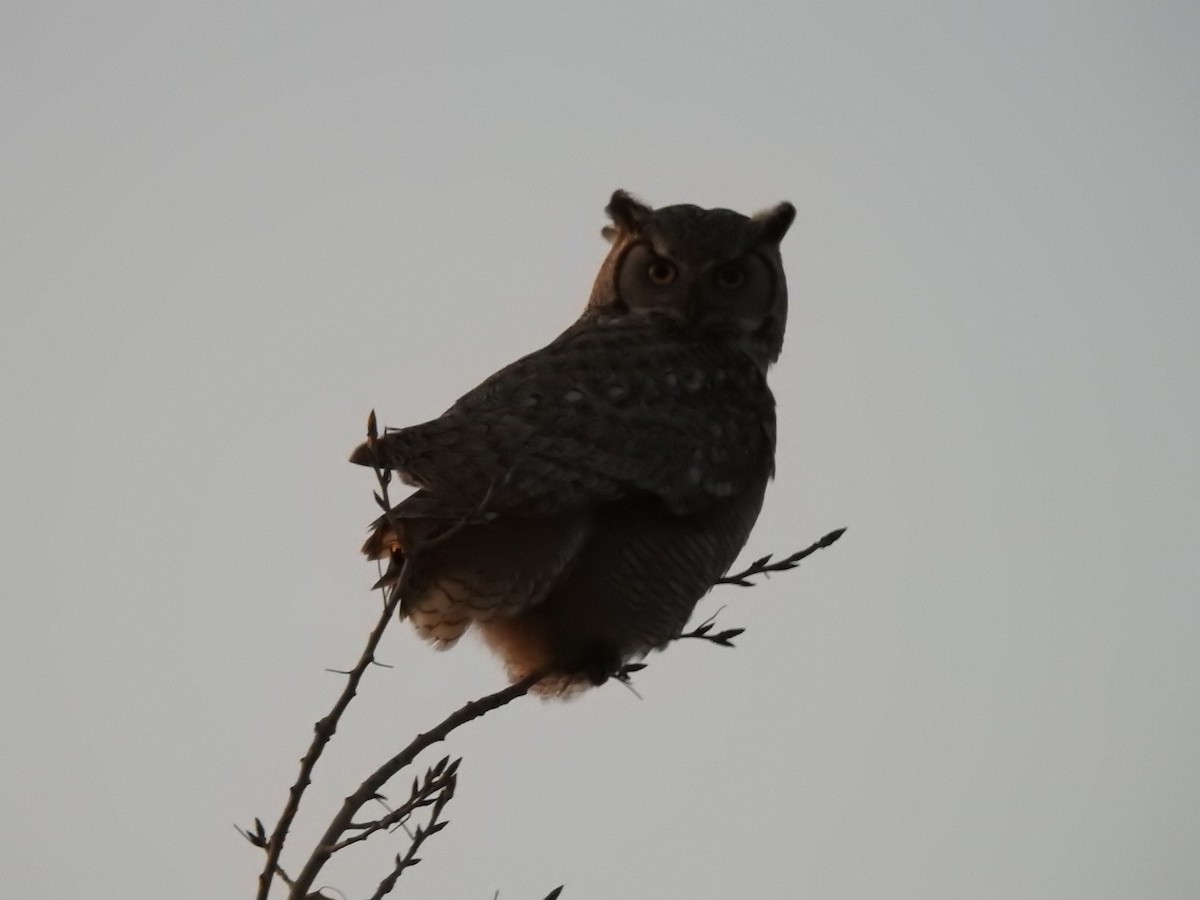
<point x="831" y="537"/>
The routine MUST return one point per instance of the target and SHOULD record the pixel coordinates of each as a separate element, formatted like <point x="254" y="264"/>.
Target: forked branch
<point x="366" y="791"/>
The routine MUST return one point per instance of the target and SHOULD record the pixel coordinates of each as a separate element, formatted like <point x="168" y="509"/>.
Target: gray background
<point x="230" y="230"/>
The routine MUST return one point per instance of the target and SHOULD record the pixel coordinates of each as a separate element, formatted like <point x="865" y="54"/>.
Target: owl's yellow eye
<point x="660" y="271"/>
<point x="731" y="275"/>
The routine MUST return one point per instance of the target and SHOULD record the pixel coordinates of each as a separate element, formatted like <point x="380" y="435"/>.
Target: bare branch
<point x="325" y="728"/>
<point x="721" y="638"/>
<point x="419" y="836"/>
<point x="764" y="566"/>
<point x="437" y="789"/>
<point x="704" y="629"/>
<point x="368" y="789"/>
<point x="258" y="838"/>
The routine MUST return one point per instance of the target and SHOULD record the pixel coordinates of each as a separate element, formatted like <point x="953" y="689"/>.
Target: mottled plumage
<point x="608" y="479"/>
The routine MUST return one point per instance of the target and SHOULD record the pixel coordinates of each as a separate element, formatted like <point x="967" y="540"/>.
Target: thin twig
<point x="702" y="631"/>
<point x="765" y="566"/>
<point x="258" y="838"/>
<point x="419" y="835"/>
<point x="437" y="785"/>
<point x="323" y="731"/>
<point x="325" y="728"/>
<point x="367" y="790"/>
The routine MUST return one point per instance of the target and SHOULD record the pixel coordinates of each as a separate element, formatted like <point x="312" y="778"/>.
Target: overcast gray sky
<point x="230" y="230"/>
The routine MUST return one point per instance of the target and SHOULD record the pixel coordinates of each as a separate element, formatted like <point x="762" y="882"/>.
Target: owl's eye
<point x="660" y="271"/>
<point x="731" y="275"/>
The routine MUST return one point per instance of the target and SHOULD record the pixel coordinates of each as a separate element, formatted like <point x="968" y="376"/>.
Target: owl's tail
<point x="414" y="519"/>
<point x="385" y="543"/>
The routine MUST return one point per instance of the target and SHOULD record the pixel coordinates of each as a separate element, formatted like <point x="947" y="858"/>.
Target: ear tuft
<point x="776" y="221"/>
<point x="627" y="213"/>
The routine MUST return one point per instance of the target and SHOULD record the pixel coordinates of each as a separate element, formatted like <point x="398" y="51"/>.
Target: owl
<point x="575" y="506"/>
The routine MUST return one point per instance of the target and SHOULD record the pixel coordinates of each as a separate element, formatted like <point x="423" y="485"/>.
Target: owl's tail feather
<point x="392" y="573"/>
<point x="416" y="518"/>
<point x="383" y="541"/>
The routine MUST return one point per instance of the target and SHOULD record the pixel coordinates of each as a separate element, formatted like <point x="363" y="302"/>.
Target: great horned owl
<point x="597" y="487"/>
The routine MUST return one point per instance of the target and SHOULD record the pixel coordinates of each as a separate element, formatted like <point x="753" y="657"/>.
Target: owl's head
<point x="716" y="272"/>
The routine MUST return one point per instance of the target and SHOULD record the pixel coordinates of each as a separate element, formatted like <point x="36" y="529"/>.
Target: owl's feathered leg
<point x="531" y="643"/>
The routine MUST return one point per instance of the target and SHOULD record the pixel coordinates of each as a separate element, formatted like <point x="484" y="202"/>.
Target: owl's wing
<point x="616" y="409"/>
